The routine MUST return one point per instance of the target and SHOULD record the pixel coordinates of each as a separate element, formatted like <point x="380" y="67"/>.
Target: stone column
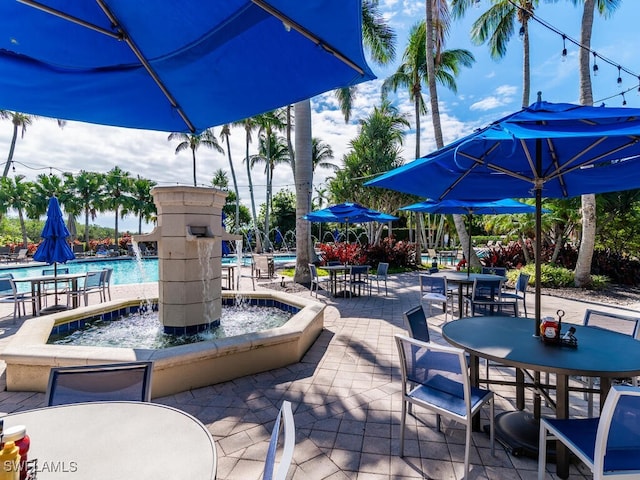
<point x="189" y="235"/>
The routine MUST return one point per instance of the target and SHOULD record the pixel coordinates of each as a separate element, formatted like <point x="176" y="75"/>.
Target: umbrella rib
<point x="556" y="164"/>
<point x="288" y="22"/>
<point x="147" y="66"/>
<point x="70" y="18"/>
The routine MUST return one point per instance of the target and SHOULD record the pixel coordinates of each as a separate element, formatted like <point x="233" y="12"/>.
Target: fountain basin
<point x="175" y="369"/>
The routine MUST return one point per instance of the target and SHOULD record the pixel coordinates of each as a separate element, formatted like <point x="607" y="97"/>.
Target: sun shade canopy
<point x="348" y="213"/>
<point x="175" y="66"/>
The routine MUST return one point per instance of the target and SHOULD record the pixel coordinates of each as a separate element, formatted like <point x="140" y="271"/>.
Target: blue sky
<point x="486" y="92"/>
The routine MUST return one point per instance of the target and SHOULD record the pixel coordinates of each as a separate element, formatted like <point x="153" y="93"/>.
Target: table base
<point x="53" y="309"/>
<point x="518" y="432"/>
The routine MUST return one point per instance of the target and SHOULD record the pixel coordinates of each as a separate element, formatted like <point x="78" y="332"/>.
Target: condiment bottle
<point x="18" y="435"/>
<point x="10" y="462"/>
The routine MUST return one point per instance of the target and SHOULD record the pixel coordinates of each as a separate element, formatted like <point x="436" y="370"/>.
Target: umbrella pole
<point x="538" y="247"/>
<point x="469" y="249"/>
<point x="55" y="283"/>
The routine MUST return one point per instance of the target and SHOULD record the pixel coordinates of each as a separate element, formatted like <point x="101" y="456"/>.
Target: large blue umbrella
<point x="348" y="213"/>
<point x="544" y="150"/>
<point x="54" y="248"/>
<point x="469" y="208"/>
<point x="175" y="66"/>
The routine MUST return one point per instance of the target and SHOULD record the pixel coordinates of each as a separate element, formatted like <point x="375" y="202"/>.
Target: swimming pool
<point x="125" y="271"/>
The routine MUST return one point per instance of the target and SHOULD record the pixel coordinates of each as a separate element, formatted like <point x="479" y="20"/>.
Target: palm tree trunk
<point x="526" y="69"/>
<point x="116" y="230"/>
<point x="582" y="273"/>
<point x="253" y="200"/>
<point x="12" y="149"/>
<point x="23" y="228"/>
<point x="304" y="183"/>
<point x="235" y="186"/>
<point x="193" y="154"/>
<point x="86" y="225"/>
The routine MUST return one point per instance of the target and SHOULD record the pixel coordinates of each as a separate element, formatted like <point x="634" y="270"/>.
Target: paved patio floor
<point x="346" y="401"/>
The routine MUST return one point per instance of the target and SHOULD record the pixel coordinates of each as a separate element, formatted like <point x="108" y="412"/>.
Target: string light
<point x="624" y="100"/>
<point x="531" y="16"/>
<point x="619" y="80"/>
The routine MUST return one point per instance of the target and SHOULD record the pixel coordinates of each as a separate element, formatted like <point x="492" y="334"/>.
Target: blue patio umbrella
<point x="545" y="150"/>
<point x="348" y="213"/>
<point x="175" y="66"/>
<point x="54" y="248"/>
<point x="471" y="207"/>
<point x="279" y="237"/>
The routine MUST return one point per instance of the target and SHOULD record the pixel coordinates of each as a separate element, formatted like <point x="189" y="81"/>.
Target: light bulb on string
<point x="595" y="64"/>
<point x="619" y="80"/>
<point x="564" y="48"/>
<point x="638" y="85"/>
<point x="624" y="100"/>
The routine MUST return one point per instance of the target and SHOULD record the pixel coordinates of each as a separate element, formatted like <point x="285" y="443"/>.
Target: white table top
<point x="111" y="440"/>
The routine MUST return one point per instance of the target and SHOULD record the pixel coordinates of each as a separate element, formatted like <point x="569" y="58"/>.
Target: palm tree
<point x="582" y="272"/>
<point x="16" y="193"/>
<point x="320" y="154"/>
<point x="117" y="194"/>
<point x="19" y="121"/>
<point x="141" y="201"/>
<point x="379" y="39"/>
<point x="497" y="25"/>
<point x="45" y="187"/>
<point x="249" y="124"/>
<point x="226" y="133"/>
<point x="193" y="141"/>
<point x="269" y="123"/>
<point x="87" y="187"/>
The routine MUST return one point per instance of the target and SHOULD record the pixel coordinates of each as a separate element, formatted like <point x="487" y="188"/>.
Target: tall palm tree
<point x="20" y="122"/>
<point x="379" y="39"/>
<point x="321" y="153"/>
<point x="582" y="272"/>
<point x="249" y="125"/>
<point x="87" y="187"/>
<point x="496" y="27"/>
<point x="225" y="134"/>
<point x="194" y="141"/>
<point x="16" y="193"/>
<point x="269" y="123"/>
<point x="117" y="194"/>
<point x="141" y="202"/>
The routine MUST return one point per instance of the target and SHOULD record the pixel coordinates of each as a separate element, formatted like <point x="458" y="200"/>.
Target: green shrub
<point x="552" y="276"/>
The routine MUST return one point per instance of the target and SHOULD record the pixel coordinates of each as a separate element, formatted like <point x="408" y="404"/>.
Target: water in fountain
<point x="205" y="250"/>
<point x="144" y="330"/>
<point x="146" y="303"/>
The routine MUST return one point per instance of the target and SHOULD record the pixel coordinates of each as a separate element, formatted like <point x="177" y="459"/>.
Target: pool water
<point x="125" y="271"/>
<point x="146" y="331"/>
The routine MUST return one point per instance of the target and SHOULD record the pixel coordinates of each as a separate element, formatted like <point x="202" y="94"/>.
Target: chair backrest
<point x="432" y="253"/>
<point x="284" y="422"/>
<point x="500" y="271"/>
<point x="78" y="248"/>
<point x="415" y="321"/>
<point x="93" y="383"/>
<point x="486" y="289"/>
<point x="107" y="275"/>
<point x="22" y="253"/>
<point x="313" y="270"/>
<point x="433" y="270"/>
<point x="431" y="284"/>
<point x="7" y="287"/>
<point x="6" y="275"/>
<point x="358" y="269"/>
<point x="52" y="271"/>
<point x="334" y="263"/>
<point x="617" y="444"/>
<point x="522" y="282"/>
<point x="442" y="368"/>
<point x="624" y="324"/>
<point x="383" y="268"/>
<point x="93" y="279"/>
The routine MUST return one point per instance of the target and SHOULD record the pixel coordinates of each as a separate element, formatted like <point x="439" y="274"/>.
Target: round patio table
<point x="508" y="341"/>
<point x="107" y="440"/>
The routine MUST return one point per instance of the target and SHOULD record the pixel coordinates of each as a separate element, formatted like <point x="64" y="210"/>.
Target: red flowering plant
<point x="351" y="253"/>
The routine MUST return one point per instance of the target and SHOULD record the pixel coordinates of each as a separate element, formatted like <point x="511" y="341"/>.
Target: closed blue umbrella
<point x="279" y="237"/>
<point x="54" y="248"/>
<point x="545" y="150"/>
<point x="175" y="66"/>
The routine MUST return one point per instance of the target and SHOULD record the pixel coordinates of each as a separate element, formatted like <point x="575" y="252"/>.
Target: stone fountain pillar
<point x="189" y="236"/>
